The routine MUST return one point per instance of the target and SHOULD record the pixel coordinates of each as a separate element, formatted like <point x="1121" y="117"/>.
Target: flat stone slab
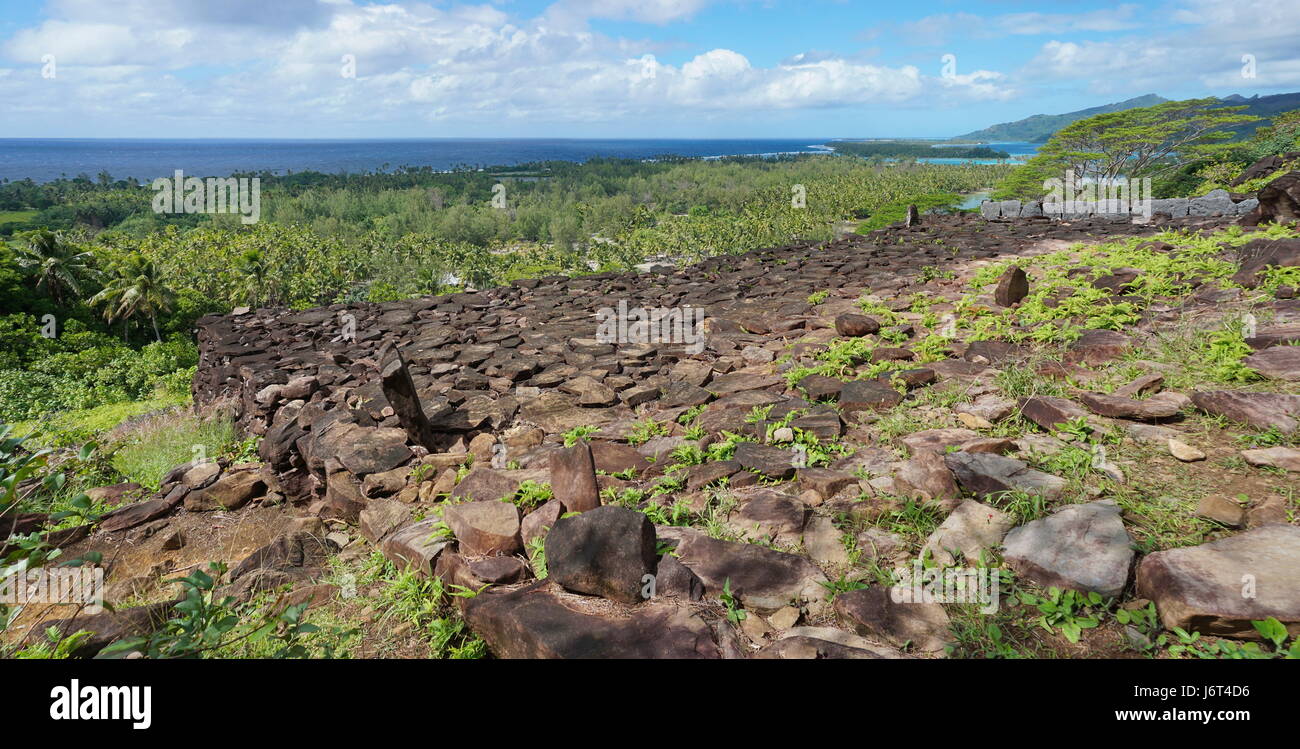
<point x="772" y="515"/>
<point x="1220" y="587"/>
<point x="763" y="579"/>
<point x="485" y="528"/>
<point x="938" y="440"/>
<point x="868" y="395"/>
<point x="1159" y="406"/>
<point x="768" y="460"/>
<point x="1276" y="362"/>
<point x="1050" y="412"/>
<point x="987" y="474"/>
<point x="970" y="529"/>
<point x="872" y="612"/>
<point x="1260" y="410"/>
<point x="542" y="621"/>
<point x="1080" y="547"/>
<point x="1286" y="458"/>
<point x="807" y="643"/>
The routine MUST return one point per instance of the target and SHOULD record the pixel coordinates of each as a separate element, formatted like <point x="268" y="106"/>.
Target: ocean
<point x="45" y="159"/>
<point x="48" y="159"/>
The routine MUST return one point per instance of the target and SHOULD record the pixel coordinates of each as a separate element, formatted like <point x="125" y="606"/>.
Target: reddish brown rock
<point x="852" y="325"/>
<point x="1261" y="410"/>
<point x="1099" y="347"/>
<point x="1200" y="588"/>
<point x="607" y="551"/>
<point x="573" y="478"/>
<point x="485" y="528"/>
<point x="541" y="621"/>
<point x="1013" y="286"/>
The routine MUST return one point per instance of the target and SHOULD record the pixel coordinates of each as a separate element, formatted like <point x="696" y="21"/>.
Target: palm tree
<point x="59" y="265"/>
<point x="252" y="274"/>
<point x="136" y="288"/>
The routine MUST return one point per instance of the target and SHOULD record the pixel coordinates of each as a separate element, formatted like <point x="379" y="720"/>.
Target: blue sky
<point x="614" y="68"/>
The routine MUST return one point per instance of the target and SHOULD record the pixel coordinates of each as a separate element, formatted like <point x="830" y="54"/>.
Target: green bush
<point x="101" y="374"/>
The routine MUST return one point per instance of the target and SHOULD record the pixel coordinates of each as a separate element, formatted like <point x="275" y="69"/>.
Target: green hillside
<point x="1039" y="127"/>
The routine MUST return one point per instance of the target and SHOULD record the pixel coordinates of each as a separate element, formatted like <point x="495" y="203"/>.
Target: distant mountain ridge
<point x="1040" y="127"/>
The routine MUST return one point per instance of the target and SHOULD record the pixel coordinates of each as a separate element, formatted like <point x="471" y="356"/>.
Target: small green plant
<point x="1067" y="610"/>
<point x="1077" y="429"/>
<point x="687" y="417"/>
<point x="532" y="495"/>
<point x="537" y="557"/>
<point x="644" y="431"/>
<point x="842" y="585"/>
<point x="817" y="297"/>
<point x="54" y="647"/>
<point x="572" y="436"/>
<point x="735" y="614"/>
<point x="686" y="455"/>
<point x="17" y="465"/>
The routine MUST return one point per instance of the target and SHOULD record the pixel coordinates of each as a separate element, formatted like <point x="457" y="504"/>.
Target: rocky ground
<point x="1097" y="406"/>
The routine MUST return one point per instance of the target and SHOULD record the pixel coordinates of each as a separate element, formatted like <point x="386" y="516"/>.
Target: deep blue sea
<point x="45" y="159"/>
<point x="48" y="159"/>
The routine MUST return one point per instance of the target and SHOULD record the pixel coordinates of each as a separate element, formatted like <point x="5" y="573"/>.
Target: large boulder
<point x="542" y="621"/>
<point x="607" y="551"/>
<point x="1279" y="202"/>
<point x="1080" y="547"/>
<point x="1220" y="587"/>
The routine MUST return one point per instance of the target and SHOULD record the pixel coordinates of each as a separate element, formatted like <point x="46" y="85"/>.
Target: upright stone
<point x="1013" y="286"/>
<point x="573" y="478"/>
<point x="399" y="390"/>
